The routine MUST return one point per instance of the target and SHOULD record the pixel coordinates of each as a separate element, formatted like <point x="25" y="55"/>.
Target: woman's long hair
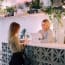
<point x="13" y="29"/>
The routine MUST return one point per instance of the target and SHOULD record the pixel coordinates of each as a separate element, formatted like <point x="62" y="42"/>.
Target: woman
<point x="15" y="45"/>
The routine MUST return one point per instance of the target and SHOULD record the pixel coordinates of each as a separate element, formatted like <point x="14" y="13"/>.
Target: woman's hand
<point x="24" y="42"/>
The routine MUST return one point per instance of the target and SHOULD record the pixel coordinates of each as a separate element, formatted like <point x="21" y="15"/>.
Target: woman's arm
<point x="21" y="44"/>
<point x="24" y="42"/>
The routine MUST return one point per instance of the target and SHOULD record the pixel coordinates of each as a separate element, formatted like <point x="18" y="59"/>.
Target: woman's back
<point x="14" y="44"/>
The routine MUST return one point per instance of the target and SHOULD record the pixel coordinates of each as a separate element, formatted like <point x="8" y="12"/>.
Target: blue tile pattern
<point x="37" y="55"/>
<point x="45" y="56"/>
<point x="6" y="54"/>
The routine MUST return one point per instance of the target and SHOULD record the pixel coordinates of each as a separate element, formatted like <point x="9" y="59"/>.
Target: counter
<point x="46" y="53"/>
<point x="47" y="45"/>
<point x="39" y="53"/>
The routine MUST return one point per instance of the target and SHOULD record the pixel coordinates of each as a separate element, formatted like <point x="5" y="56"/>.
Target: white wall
<point x="31" y="22"/>
<point x="0" y="35"/>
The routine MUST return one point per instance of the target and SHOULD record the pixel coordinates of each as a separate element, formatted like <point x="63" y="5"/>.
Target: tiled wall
<point x="6" y="54"/>
<point x="37" y="55"/>
<point x="45" y="56"/>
